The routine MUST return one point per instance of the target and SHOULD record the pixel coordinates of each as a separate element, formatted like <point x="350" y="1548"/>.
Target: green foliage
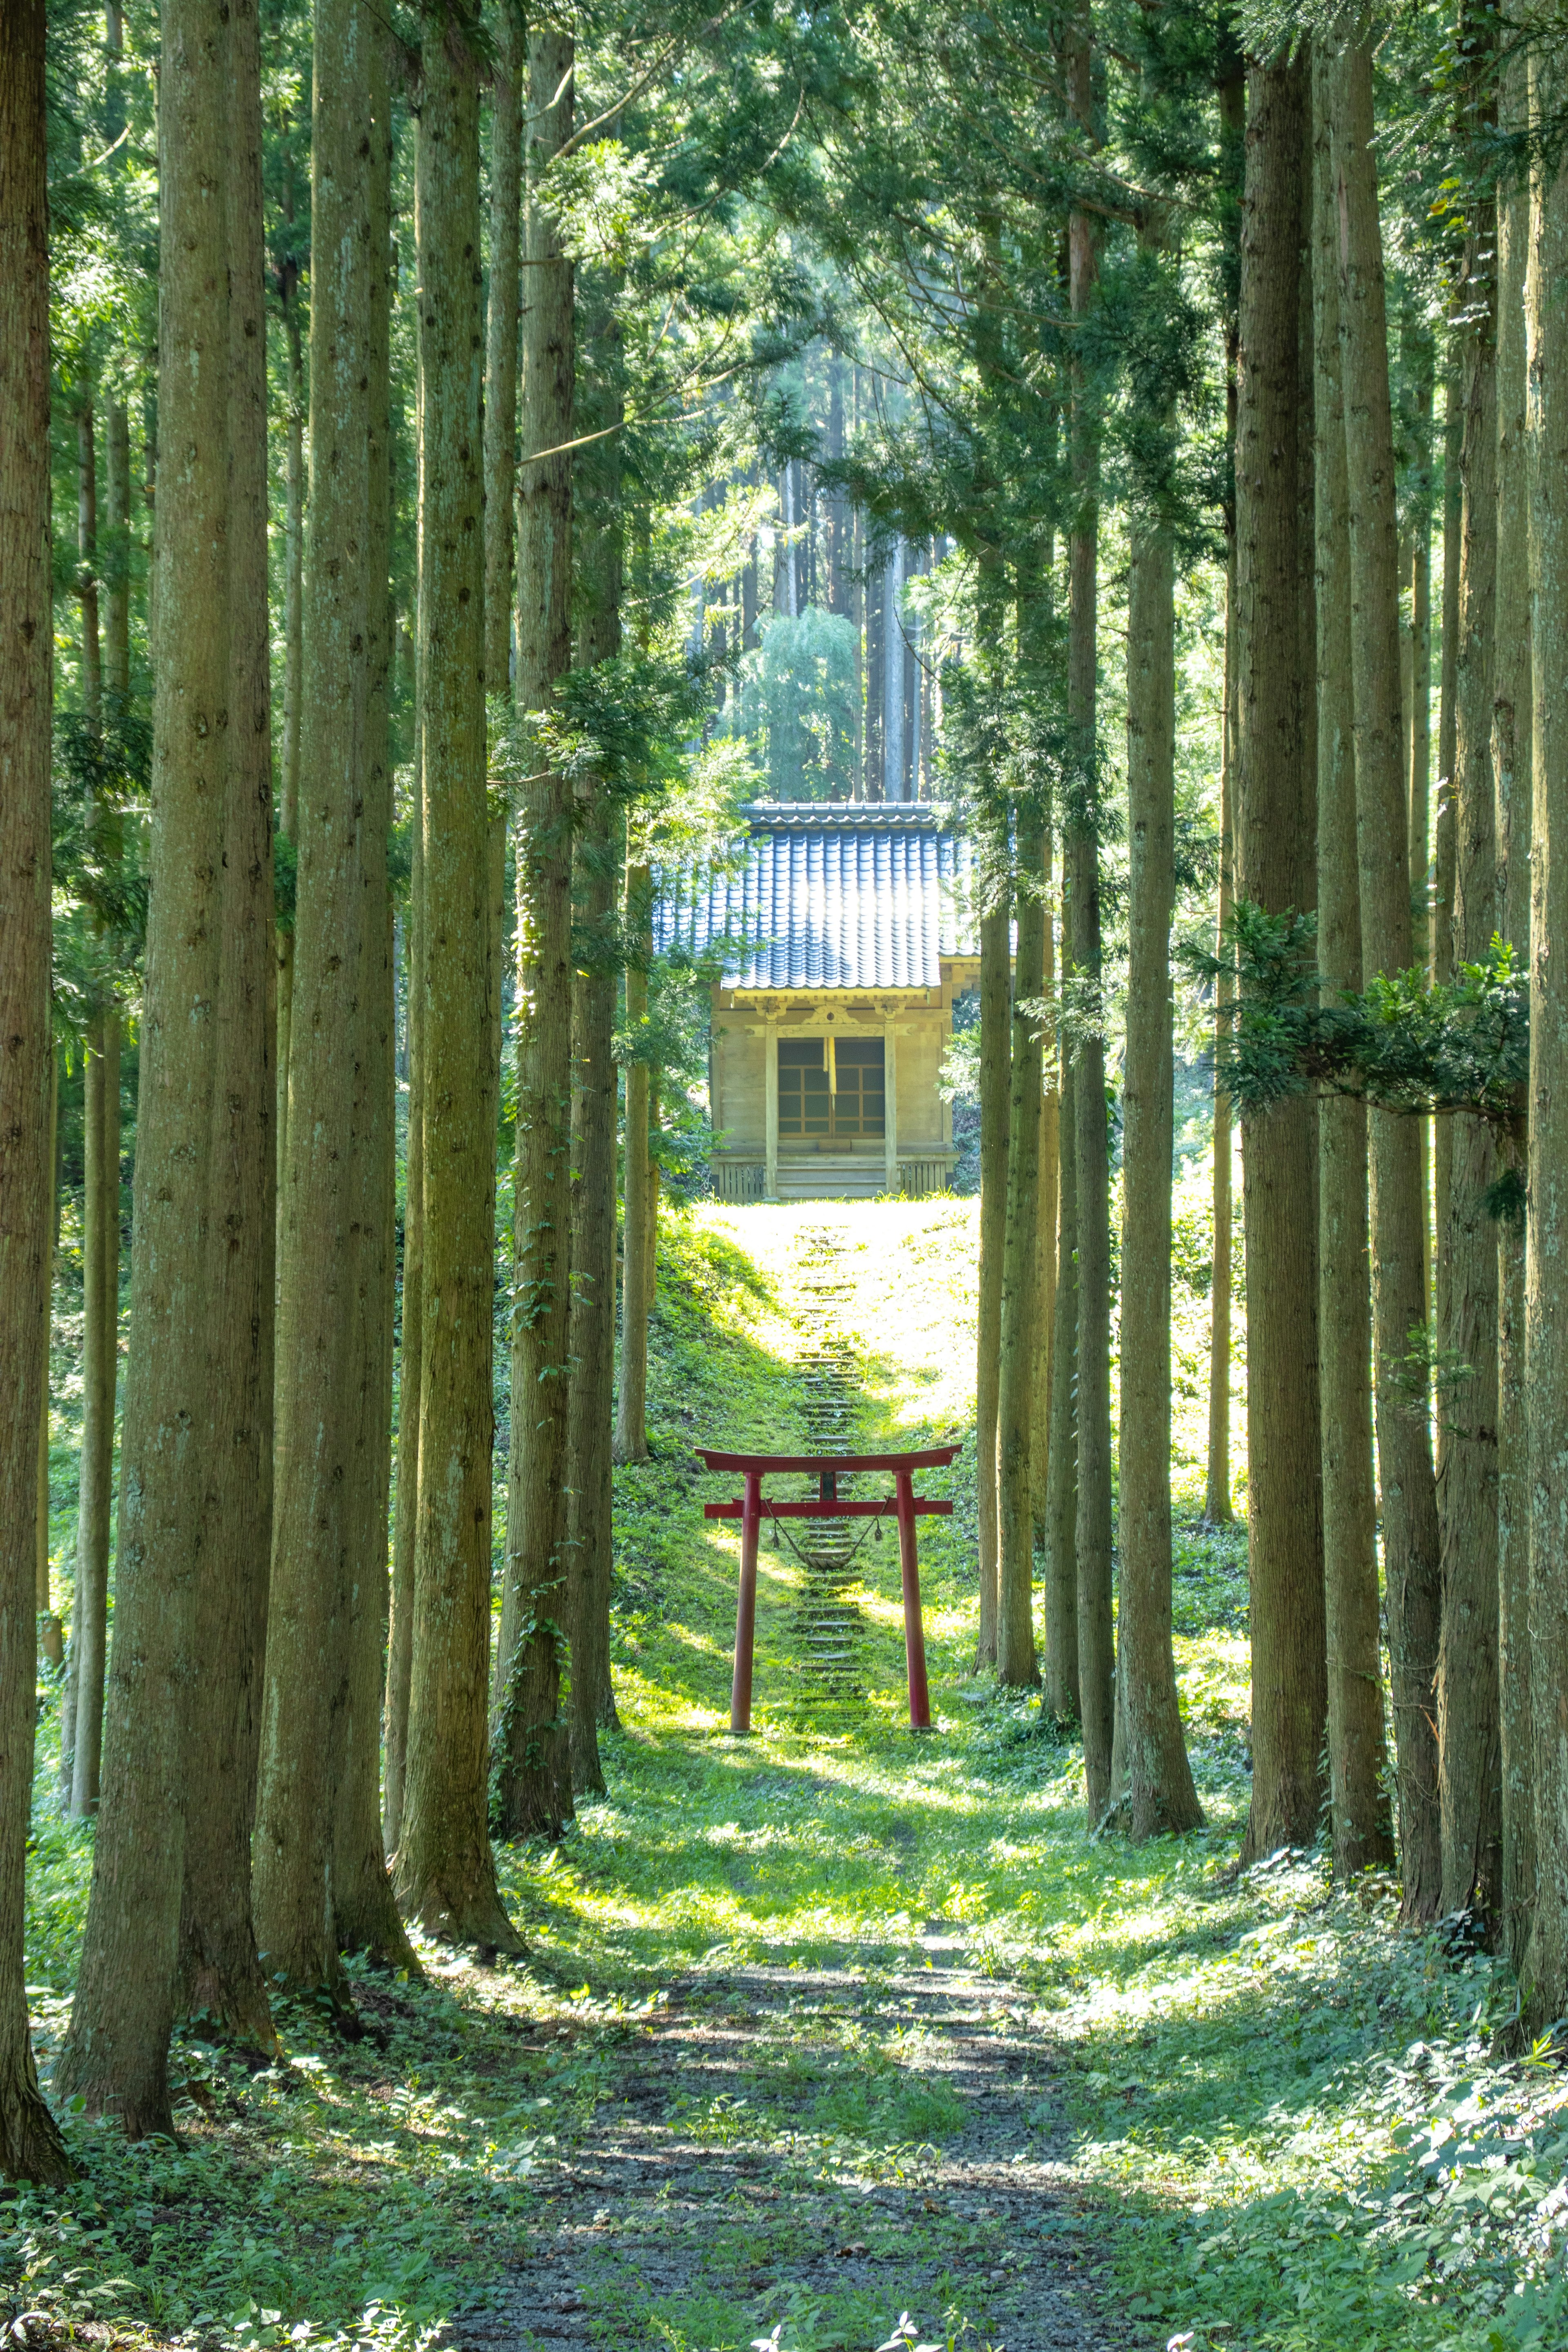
<point x="797" y="701"/>
<point x="1406" y="1046"/>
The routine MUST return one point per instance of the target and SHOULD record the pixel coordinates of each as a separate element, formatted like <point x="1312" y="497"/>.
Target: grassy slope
<point x="1254" y="2072"/>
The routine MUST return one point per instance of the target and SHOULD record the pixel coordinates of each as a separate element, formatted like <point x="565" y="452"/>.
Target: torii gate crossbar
<point x="904" y="1505"/>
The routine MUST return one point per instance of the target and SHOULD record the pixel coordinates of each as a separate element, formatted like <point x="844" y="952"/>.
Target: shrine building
<point x="847" y="932"/>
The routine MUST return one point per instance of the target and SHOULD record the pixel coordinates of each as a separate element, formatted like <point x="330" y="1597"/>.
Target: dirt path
<point x="693" y="2202"/>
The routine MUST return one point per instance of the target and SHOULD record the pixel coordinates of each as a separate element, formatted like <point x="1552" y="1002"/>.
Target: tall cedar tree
<point x="1398" y="1217"/>
<point x="630" y="1443"/>
<point x="500" y="340"/>
<point x="116" y="2050"/>
<point x="81" y="1714"/>
<point x="1468" y="1733"/>
<point x="30" y="2145"/>
<point x="1543" y="1982"/>
<point x="532" y="1766"/>
<point x="1061" y="1694"/>
<point x="995" y="926"/>
<point x="365" y="1915"/>
<point x="1096" y="1640"/>
<point x="411" y="1353"/>
<point x="1512" y="719"/>
<point x="1158" y="1780"/>
<point x="1362" y="1833"/>
<point x="1049" y="1149"/>
<point x="592" y="1331"/>
<point x="220" y="1972"/>
<point x="1275" y="813"/>
<point x="308" y="1645"/>
<point x="446" y="1872"/>
<point x="1020" y="1336"/>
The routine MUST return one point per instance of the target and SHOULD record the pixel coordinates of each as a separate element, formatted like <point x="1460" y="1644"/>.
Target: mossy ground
<point x="1271" y="2114"/>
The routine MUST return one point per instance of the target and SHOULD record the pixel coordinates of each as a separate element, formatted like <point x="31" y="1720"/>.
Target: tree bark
<point x="410" y="1361"/>
<point x="1096" y="1640"/>
<point x="320" y="1328"/>
<point x="117" y="583"/>
<point x="100" y="1368"/>
<point x="1434" y="1199"/>
<point x="500" y="338"/>
<point x="1061" y="1695"/>
<point x="49" y="1631"/>
<point x="1363" y="1831"/>
<point x="533" y="1769"/>
<point x="221" y="1978"/>
<point x="1544" y="1978"/>
<point x="995" y="926"/>
<point x="1045" y="1224"/>
<point x="445" y="1871"/>
<point x="1276" y="857"/>
<point x="30" y="2145"/>
<point x="1512" y="717"/>
<point x="1217" y="1507"/>
<point x="115" y="2053"/>
<point x="1398" y="1219"/>
<point x="364" y="1912"/>
<point x="592" y="1323"/>
<point x="1019" y="1333"/>
<point x="1159" y="1780"/>
<point x="87" y="561"/>
<point x="636" y="1241"/>
<point x="1468" y="1730"/>
<point x="400" y="1626"/>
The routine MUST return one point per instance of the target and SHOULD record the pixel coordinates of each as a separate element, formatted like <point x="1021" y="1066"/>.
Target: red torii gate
<point x="903" y="1505"/>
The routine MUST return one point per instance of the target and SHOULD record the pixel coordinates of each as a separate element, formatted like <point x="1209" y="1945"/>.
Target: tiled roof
<point x="830" y="895"/>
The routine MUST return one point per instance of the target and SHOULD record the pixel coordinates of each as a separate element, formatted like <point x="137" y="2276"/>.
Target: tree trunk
<point x="631" y="1404"/>
<point x="534" y="1768"/>
<point x="1435" y="1201"/>
<point x="1019" y="1333"/>
<point x="1362" y="1832"/>
<point x="1398" y="1218"/>
<point x="592" y="1323"/>
<point x="81" y="1756"/>
<point x="1276" y="860"/>
<point x="1417" y="338"/>
<point x="1468" y="1731"/>
<point x="500" y="333"/>
<point x="293" y="677"/>
<point x="1061" y="1697"/>
<point x="221" y="1977"/>
<point x="1096" y="1640"/>
<point x="1510" y="775"/>
<point x="30" y="2145"/>
<point x="87" y="561"/>
<point x="49" y="1632"/>
<point x="592" y="1326"/>
<point x="117" y="584"/>
<point x="1544" y="1978"/>
<point x="1159" y="1780"/>
<point x="445" y="1871"/>
<point x="364" y="1912"/>
<point x="994" y="1097"/>
<point x="400" y="1626"/>
<point x="1045" y="1224"/>
<point x="1217" y="1507"/>
<point x="115" y="2053"/>
<point x="321" y="1333"/>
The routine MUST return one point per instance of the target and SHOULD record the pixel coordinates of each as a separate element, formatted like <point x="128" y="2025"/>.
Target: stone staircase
<point x="829" y="1630"/>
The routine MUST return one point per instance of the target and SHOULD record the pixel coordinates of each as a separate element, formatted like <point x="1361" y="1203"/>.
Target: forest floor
<point x="837" y="2025"/>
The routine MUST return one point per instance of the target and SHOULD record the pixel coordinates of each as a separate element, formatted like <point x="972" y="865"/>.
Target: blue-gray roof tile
<point x="829" y="895"/>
